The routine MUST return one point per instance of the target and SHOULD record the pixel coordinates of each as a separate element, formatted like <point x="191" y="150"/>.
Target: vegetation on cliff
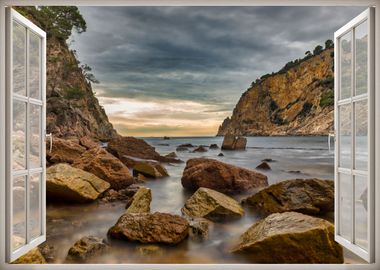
<point x="72" y="108"/>
<point x="296" y="100"/>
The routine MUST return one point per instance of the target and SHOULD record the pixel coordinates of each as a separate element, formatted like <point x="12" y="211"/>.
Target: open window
<point x="25" y="105"/>
<point x="354" y="127"/>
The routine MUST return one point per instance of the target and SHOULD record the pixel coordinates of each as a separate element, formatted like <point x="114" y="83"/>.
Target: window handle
<point x="50" y="136"/>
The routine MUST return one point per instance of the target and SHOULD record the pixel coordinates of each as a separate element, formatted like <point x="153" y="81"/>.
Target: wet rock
<point x="200" y="149"/>
<point x="140" y="202"/>
<point x="67" y="184"/>
<point x="140" y="178"/>
<point x="220" y="155"/>
<point x="263" y="166"/>
<point x="88" y="143"/>
<point x="214" y="146"/>
<point x="225" y="178"/>
<point x="150" y="228"/>
<point x="48" y="252"/>
<point x="267" y="160"/>
<point x="127" y="149"/>
<point x="297" y="172"/>
<point x="106" y="166"/>
<point x="124" y="195"/>
<point x="171" y="155"/>
<point x="199" y="228"/>
<point x="63" y="151"/>
<point x="232" y="142"/>
<point x="308" y="196"/>
<point x="290" y="238"/>
<point x="86" y="249"/>
<point x="213" y="205"/>
<point x="150" y="170"/>
<point x="187" y="145"/>
<point x="181" y="149"/>
<point x="147" y="250"/>
<point x="34" y="256"/>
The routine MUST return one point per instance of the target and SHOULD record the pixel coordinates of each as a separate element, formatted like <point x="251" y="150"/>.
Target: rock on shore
<point x="308" y="196"/>
<point x="290" y="238"/>
<point x="222" y="177"/>
<point x="213" y="205"/>
<point x="63" y="151"/>
<point x="232" y="142"/>
<point x="140" y="202"/>
<point x="67" y="184"/>
<point x="150" y="228"/>
<point x="86" y="249"/>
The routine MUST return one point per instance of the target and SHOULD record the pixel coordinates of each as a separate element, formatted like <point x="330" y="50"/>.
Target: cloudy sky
<point x="179" y="71"/>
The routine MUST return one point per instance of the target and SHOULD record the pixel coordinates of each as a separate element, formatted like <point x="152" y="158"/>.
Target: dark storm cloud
<point x="204" y="54"/>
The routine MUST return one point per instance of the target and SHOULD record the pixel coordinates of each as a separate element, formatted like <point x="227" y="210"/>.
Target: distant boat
<point x="166" y="138"/>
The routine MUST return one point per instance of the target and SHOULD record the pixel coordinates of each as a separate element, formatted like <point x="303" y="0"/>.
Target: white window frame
<point x="4" y="3"/>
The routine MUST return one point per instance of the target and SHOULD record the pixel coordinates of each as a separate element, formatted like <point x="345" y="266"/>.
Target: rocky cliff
<point x="298" y="100"/>
<point x="72" y="108"/>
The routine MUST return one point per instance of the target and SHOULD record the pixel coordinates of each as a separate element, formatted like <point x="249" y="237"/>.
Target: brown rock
<point x="87" y="142"/>
<point x="68" y="184"/>
<point x="200" y="149"/>
<point x="199" y="228"/>
<point x="181" y="149"/>
<point x="232" y="142"/>
<point x="63" y="151"/>
<point x="130" y="150"/>
<point x="150" y="170"/>
<point x="104" y="165"/>
<point x="171" y="155"/>
<point x="225" y="178"/>
<point x="308" y="196"/>
<point x="263" y="166"/>
<point x="214" y="146"/>
<point x="290" y="238"/>
<point x="124" y="195"/>
<point x="150" y="228"/>
<point x="213" y="205"/>
<point x="86" y="249"/>
<point x="140" y="202"/>
<point x="34" y="256"/>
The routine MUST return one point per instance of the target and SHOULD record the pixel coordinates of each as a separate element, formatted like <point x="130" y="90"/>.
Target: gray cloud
<point x="204" y="54"/>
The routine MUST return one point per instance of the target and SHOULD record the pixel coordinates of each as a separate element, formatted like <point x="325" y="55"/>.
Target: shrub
<point x="327" y="98"/>
<point x="74" y="93"/>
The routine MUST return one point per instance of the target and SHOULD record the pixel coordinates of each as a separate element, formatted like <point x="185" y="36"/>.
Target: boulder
<point x="308" y="196"/>
<point x="187" y="145"/>
<point x="214" y="146"/>
<point x="123" y="195"/>
<point x="104" y="165"/>
<point x="181" y="149"/>
<point x="200" y="149"/>
<point x="34" y="256"/>
<point x="199" y="228"/>
<point x="67" y="184"/>
<point x="150" y="228"/>
<point x="268" y="160"/>
<point x="213" y="205"/>
<point x="150" y="170"/>
<point x="171" y="155"/>
<point x="290" y="238"/>
<point x="232" y="142"/>
<point x="220" y="155"/>
<point x="88" y="143"/>
<point x="263" y="166"/>
<point x="225" y="178"/>
<point x="140" y="202"/>
<point x="86" y="249"/>
<point x="127" y="149"/>
<point x="63" y="151"/>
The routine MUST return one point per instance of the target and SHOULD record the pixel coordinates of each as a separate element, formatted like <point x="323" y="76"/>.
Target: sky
<point x="179" y="71"/>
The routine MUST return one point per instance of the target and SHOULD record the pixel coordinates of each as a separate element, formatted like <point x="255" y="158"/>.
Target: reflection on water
<point x="307" y="157"/>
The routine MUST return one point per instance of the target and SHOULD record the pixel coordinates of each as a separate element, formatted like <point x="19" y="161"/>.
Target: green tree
<point x="308" y="54"/>
<point x="86" y="71"/>
<point x="329" y="44"/>
<point x="318" y="50"/>
<point x="57" y="21"/>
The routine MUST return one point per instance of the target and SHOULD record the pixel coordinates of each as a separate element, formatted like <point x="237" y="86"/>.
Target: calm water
<point x="308" y="155"/>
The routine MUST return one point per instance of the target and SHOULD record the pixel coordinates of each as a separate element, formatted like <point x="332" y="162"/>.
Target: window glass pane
<point x="19" y="135"/>
<point x="19" y="214"/>
<point x="361" y="135"/>
<point x="345" y="136"/>
<point x="361" y="56"/>
<point x="35" y="136"/>
<point x="19" y="59"/>
<point x="361" y="213"/>
<point x="35" y="206"/>
<point x="345" y="65"/>
<point x="34" y="66"/>
<point x="345" y="200"/>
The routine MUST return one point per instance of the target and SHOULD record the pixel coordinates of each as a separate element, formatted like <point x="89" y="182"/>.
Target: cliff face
<point x="298" y="101"/>
<point x="72" y="108"/>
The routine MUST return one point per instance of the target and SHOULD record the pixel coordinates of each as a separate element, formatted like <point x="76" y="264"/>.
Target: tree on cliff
<point x="58" y="22"/>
